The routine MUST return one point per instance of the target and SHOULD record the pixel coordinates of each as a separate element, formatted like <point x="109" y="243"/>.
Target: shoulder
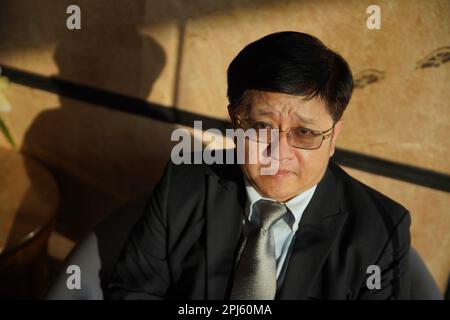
<point x="367" y="207"/>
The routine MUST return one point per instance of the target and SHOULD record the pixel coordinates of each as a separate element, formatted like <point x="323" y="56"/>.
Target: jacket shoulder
<point x="368" y="206"/>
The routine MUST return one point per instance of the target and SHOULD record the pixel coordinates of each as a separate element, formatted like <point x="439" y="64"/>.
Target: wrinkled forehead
<point x="280" y="105"/>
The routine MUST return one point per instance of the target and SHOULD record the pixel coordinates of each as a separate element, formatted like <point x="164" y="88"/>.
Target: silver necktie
<point x="255" y="276"/>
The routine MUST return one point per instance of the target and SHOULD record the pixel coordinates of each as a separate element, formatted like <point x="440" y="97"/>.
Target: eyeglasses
<point x="298" y="137"/>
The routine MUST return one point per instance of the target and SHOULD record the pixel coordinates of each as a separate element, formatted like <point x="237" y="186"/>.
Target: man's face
<point x="298" y="169"/>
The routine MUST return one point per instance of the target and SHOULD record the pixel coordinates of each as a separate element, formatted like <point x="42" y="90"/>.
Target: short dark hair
<point x="293" y="63"/>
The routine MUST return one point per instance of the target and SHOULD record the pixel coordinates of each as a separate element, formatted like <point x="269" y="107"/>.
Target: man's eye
<point x="261" y="125"/>
<point x="303" y="132"/>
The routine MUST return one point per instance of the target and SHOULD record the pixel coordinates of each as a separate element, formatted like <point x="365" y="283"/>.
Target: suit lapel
<point x="224" y="227"/>
<point x="319" y="227"/>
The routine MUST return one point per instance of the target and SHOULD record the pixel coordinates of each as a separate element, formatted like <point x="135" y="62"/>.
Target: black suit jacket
<point x="185" y="244"/>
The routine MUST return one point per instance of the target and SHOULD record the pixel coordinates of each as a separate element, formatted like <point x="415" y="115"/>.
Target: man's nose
<point x="281" y="150"/>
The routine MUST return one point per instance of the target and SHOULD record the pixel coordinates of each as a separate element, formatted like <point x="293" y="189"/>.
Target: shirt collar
<point x="296" y="205"/>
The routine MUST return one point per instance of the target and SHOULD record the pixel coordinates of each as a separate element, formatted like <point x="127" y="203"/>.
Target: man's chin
<point x="276" y="191"/>
<point x="279" y="197"/>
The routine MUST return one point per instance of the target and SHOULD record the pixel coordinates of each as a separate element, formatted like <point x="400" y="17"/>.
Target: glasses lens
<point x="305" y="139"/>
<point x="256" y="132"/>
<point x="264" y="135"/>
<point x="299" y="138"/>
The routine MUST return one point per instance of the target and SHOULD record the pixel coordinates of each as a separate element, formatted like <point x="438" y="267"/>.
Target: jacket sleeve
<point x="393" y="264"/>
<point x="142" y="271"/>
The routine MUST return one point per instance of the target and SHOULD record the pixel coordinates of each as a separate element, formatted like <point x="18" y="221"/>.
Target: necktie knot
<point x="269" y="212"/>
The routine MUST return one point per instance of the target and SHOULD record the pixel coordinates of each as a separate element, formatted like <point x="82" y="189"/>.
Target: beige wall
<point x="175" y="53"/>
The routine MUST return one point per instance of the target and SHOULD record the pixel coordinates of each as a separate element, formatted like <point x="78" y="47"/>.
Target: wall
<point x="174" y="54"/>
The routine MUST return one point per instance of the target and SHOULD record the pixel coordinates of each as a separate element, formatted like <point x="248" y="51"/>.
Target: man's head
<point x="290" y="81"/>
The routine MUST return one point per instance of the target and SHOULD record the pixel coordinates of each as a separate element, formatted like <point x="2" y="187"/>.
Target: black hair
<point x="293" y="63"/>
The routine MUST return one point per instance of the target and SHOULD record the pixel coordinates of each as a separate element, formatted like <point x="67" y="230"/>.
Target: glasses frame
<point x="325" y="134"/>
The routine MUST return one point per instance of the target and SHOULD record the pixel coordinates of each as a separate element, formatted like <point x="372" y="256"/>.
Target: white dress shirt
<point x="284" y="229"/>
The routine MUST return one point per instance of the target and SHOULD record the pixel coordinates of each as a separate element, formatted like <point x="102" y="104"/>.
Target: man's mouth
<point x="282" y="173"/>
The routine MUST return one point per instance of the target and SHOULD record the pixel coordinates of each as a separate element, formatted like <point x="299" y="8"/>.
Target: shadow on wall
<point x="100" y="157"/>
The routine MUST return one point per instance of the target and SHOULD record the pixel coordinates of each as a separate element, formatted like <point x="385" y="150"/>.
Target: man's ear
<point x="232" y="115"/>
<point x="337" y="130"/>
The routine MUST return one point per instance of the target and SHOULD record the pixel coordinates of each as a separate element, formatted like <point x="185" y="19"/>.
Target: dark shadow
<point x="99" y="157"/>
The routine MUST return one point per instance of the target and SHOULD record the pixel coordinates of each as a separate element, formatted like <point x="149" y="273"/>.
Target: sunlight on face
<point x="298" y="169"/>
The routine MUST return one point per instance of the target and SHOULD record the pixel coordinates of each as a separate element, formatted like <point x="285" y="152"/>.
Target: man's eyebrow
<point x="305" y="119"/>
<point x="302" y="119"/>
<point x="265" y="112"/>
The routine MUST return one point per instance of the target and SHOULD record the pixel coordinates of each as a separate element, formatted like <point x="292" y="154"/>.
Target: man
<point x="307" y="231"/>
